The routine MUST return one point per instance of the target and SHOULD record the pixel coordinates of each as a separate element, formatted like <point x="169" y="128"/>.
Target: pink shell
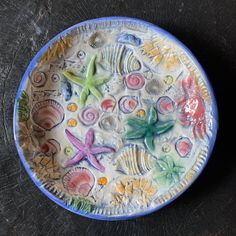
<point x="108" y="104"/>
<point x="47" y="114"/>
<point x="78" y="181"/>
<point x="165" y="105"/>
<point x="127" y="104"/>
<point x="183" y="146"/>
<point x="50" y="147"/>
<point x="38" y="79"/>
<point x="134" y="81"/>
<point x="88" y="116"/>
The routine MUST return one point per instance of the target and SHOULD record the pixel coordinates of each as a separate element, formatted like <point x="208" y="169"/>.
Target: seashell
<point x="68" y="150"/>
<point x="108" y="123"/>
<point x="152" y="87"/>
<point x="78" y="181"/>
<point x="165" y="105"/>
<point x="134" y="161"/>
<point x="169" y="80"/>
<point x="108" y="104"/>
<point x="47" y="114"/>
<point x="96" y="40"/>
<point x="66" y="90"/>
<point x="72" y="122"/>
<point x="38" y="79"/>
<point x="55" y="78"/>
<point x="88" y="116"/>
<point x="134" y="81"/>
<point x="119" y="59"/>
<point x="50" y="147"/>
<point x="140" y="113"/>
<point x="102" y="181"/>
<point x="127" y="104"/>
<point x="129" y="39"/>
<point x="72" y="107"/>
<point x="183" y="146"/>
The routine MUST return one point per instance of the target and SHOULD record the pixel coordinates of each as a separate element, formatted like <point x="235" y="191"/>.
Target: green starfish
<point x="89" y="84"/>
<point x="148" y="129"/>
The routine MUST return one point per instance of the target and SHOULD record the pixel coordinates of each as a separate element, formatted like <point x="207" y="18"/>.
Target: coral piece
<point x="47" y="114"/>
<point x="168" y="171"/>
<point x="119" y="59"/>
<point x="50" y="147"/>
<point x="134" y="161"/>
<point x="88" y="116"/>
<point x="87" y="150"/>
<point x="165" y="105"/>
<point x="38" y="78"/>
<point x="78" y="181"/>
<point x="129" y="39"/>
<point x="134" y="81"/>
<point x="23" y="107"/>
<point x="89" y="84"/>
<point x="183" y="146"/>
<point x="148" y="129"/>
<point x="127" y="104"/>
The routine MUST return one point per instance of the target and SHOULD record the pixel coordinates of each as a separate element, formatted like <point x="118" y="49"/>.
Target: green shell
<point x="23" y="107"/>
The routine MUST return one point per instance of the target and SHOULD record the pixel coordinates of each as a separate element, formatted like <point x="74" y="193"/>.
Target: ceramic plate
<point x="114" y="118"/>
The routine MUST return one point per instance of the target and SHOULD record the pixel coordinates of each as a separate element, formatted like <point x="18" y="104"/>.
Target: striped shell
<point x="119" y="59"/>
<point x="47" y="114"/>
<point x="134" y="161"/>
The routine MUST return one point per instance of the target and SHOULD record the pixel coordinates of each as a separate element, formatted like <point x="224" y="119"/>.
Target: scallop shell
<point x="134" y="81"/>
<point x="127" y="104"/>
<point x="50" y="147"/>
<point x="88" y="116"/>
<point x="165" y="105"/>
<point x="38" y="79"/>
<point x="183" y="146"/>
<point x="119" y="59"/>
<point x="78" y="181"/>
<point x="134" y="161"/>
<point x="47" y="114"/>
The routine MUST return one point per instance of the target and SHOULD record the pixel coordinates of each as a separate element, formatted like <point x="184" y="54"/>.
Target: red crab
<point x="191" y="108"/>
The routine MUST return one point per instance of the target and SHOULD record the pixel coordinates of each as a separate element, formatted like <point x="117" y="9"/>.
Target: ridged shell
<point x="50" y="147"/>
<point x="134" y="161"/>
<point x="78" y="181"/>
<point x="127" y="104"/>
<point x="47" y="114"/>
<point x="119" y="59"/>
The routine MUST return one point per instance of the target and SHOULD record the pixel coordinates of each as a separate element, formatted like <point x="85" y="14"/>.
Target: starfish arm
<point x="96" y="92"/>
<point x="98" y="150"/>
<point x="73" y="78"/>
<point x="90" y="70"/>
<point x="100" y="81"/>
<point x="95" y="163"/>
<point x="89" y="138"/>
<point x="83" y="96"/>
<point x="75" y="160"/>
<point x="152" y="116"/>
<point x="149" y="142"/>
<point x="163" y="127"/>
<point x="76" y="142"/>
<point x="135" y="134"/>
<point x="136" y="123"/>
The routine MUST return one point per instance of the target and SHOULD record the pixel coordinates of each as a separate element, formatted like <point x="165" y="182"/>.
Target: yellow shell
<point x="72" y="107"/>
<point x="140" y="113"/>
<point x="102" y="180"/>
<point x="72" y="122"/>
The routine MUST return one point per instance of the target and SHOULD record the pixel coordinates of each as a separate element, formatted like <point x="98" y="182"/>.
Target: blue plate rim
<point x="160" y="31"/>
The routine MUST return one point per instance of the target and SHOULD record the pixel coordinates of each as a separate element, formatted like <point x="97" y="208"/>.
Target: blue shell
<point x="66" y="90"/>
<point x="129" y="39"/>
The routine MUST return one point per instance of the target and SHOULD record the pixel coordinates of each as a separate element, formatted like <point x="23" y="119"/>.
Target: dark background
<point x="207" y="27"/>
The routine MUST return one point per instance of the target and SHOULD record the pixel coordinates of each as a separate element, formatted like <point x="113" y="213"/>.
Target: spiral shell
<point x="127" y="104"/>
<point x="78" y="181"/>
<point x="165" y="105"/>
<point x="38" y="79"/>
<point x="134" y="81"/>
<point x="183" y="146"/>
<point x="88" y="116"/>
<point x="119" y="59"/>
<point x="47" y="114"/>
<point x="134" y="161"/>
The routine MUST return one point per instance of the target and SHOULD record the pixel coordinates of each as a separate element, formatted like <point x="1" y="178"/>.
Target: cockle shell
<point x="134" y="81"/>
<point x="183" y="146"/>
<point x="78" y="181"/>
<point x="38" y="79"/>
<point x="50" y="147"/>
<point x="108" y="104"/>
<point x="119" y="59"/>
<point x="127" y="104"/>
<point x="88" y="116"/>
<point x="165" y="105"/>
<point x="47" y="114"/>
<point x="134" y="161"/>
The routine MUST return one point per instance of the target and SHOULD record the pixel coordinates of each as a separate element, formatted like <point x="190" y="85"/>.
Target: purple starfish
<point x="86" y="150"/>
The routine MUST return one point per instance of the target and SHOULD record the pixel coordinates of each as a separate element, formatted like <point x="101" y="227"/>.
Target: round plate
<point x="114" y="118"/>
